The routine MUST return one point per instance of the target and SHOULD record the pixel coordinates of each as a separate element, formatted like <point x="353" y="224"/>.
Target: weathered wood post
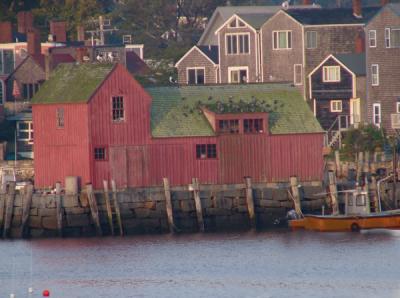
<point x="333" y="193"/>
<point x="94" y="211"/>
<point x="366" y="162"/>
<point x="9" y="208"/>
<point x="394" y="160"/>
<point x="108" y="206"/>
<point x="250" y="202"/>
<point x="199" y="211"/>
<point x="360" y="161"/>
<point x="3" y="200"/>
<point x="59" y="209"/>
<point x="168" y="205"/>
<point x="294" y="187"/>
<point x="26" y="208"/>
<point x="338" y="165"/>
<point x="116" y="207"/>
<point x="374" y="191"/>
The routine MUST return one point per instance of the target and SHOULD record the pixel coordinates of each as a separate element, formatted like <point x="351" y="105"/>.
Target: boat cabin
<point x="357" y="203"/>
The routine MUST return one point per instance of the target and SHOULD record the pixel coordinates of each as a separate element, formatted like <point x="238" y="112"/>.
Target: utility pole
<point x="102" y="26"/>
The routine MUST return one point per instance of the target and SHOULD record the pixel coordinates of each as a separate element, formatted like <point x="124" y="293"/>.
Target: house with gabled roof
<point x="337" y="88"/>
<point x="96" y="122"/>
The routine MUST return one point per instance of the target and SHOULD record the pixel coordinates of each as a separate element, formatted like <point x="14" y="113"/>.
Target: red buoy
<point x="46" y="293"/>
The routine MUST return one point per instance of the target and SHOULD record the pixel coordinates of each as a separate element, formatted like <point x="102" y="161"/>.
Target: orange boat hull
<point x="346" y="223"/>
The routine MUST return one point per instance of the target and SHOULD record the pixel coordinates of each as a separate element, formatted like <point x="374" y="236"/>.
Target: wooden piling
<point x="333" y="193"/>
<point x="93" y="208"/>
<point x="26" y="208"/>
<point x="116" y="207"/>
<point x="394" y="166"/>
<point x="374" y="191"/>
<point x="294" y="187"/>
<point x="250" y="202"/>
<point x="337" y="164"/>
<point x="9" y="208"/>
<point x="59" y="209"/>
<point x="3" y="200"/>
<point x="108" y="206"/>
<point x="168" y="205"/>
<point x="197" y="201"/>
<point x="360" y="161"/>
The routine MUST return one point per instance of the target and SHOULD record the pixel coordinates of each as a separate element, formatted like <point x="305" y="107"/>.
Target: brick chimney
<point x="58" y="29"/>
<point x="307" y="2"/>
<point x="25" y="21"/>
<point x="360" y="43"/>
<point x="80" y="33"/>
<point x="5" y="32"/>
<point x="384" y="2"/>
<point x="33" y="37"/>
<point x="357" y="9"/>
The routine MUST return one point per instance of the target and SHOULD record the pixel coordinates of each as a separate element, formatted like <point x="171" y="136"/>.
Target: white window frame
<point x="307" y="38"/>
<point x="372" y="38"/>
<point x="238" y="44"/>
<point x="195" y="69"/>
<point x="378" y="114"/>
<point x="237" y="68"/>
<point x="29" y="130"/>
<point x="387" y="38"/>
<point x="297" y="83"/>
<point x="3" y="62"/>
<point x="326" y="74"/>
<point x="336" y="106"/>
<point x="276" y="46"/>
<point x="398" y="107"/>
<point x="237" y="24"/>
<point x="375" y="76"/>
<point x="2" y="92"/>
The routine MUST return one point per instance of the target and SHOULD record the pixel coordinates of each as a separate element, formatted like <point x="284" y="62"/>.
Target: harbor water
<point x="247" y="264"/>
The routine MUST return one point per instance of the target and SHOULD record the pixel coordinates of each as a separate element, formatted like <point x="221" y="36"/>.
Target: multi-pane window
<point x="387" y="38"/>
<point x="331" y="74"/>
<point x="100" y="153"/>
<point x="118" y="112"/>
<point x="195" y="76"/>
<point x="336" y="106"/>
<point x="204" y="151"/>
<point x="298" y="74"/>
<point x="395" y="38"/>
<point x="25" y="131"/>
<point x="375" y="75"/>
<point x="376" y="114"/>
<point x="372" y="38"/>
<point x="398" y="107"/>
<point x="282" y="40"/>
<point x="60" y="117"/>
<point x="237" y="75"/>
<point x="2" y="92"/>
<point x="29" y="90"/>
<point x="238" y="43"/>
<point x="253" y="126"/>
<point x="6" y="61"/>
<point x="311" y="39"/>
<point x="228" y="126"/>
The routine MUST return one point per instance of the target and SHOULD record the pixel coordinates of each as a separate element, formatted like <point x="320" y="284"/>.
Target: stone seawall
<point x="144" y="210"/>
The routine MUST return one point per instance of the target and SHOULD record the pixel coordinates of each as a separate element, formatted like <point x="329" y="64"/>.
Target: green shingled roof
<point x="72" y="83"/>
<point x="175" y="110"/>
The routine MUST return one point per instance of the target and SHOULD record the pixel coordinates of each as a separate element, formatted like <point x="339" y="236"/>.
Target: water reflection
<point x="264" y="264"/>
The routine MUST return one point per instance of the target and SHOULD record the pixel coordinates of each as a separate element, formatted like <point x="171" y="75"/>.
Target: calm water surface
<point x="266" y="264"/>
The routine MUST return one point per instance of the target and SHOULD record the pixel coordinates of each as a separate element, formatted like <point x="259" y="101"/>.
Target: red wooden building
<point x="96" y="122"/>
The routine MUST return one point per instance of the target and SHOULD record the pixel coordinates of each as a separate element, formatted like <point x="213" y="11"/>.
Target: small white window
<point x="376" y="116"/>
<point x="298" y="74"/>
<point x="395" y="38"/>
<point x="196" y="76"/>
<point x="336" y="106"/>
<point x="282" y="40"/>
<point x="25" y="131"/>
<point x="238" y="75"/>
<point x="375" y="75"/>
<point x="372" y="38"/>
<point x="331" y="74"/>
<point x="387" y="37"/>
<point x="311" y="39"/>
<point x="398" y="107"/>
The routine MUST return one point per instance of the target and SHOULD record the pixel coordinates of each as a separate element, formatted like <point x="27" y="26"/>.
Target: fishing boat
<point x="357" y="216"/>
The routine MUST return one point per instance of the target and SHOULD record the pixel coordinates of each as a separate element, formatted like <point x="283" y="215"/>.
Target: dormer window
<point x="253" y="126"/>
<point x="236" y="23"/>
<point x="228" y="126"/>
